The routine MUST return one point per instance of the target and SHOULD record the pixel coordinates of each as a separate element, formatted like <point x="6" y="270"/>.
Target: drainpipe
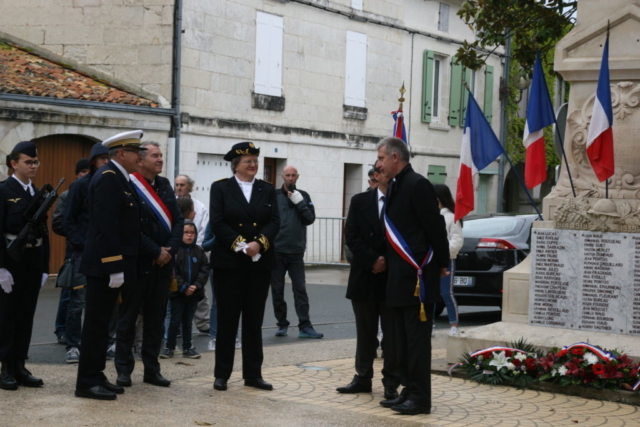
<point x="173" y="167"/>
<point x="503" y="122"/>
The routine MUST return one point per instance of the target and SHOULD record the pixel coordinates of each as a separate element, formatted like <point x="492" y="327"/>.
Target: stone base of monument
<point x="583" y="279"/>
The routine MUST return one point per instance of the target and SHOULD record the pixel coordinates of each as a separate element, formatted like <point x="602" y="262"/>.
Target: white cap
<point x="125" y="139"/>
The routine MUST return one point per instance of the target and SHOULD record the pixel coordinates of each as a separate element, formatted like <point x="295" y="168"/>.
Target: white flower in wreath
<point x="520" y="356"/>
<point x="590" y="358"/>
<point x="499" y="360"/>
<point x="511" y="366"/>
<point x="554" y="373"/>
<point x="563" y="370"/>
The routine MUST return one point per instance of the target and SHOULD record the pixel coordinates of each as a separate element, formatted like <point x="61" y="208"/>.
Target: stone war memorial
<point x="581" y="281"/>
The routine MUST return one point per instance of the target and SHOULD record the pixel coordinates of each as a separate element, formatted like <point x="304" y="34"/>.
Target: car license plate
<point x="462" y="281"/>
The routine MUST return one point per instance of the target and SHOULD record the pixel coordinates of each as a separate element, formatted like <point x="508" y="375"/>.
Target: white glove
<point x="44" y="280"/>
<point x="6" y="280"/>
<point x="296" y="197"/>
<point x="242" y="246"/>
<point x="116" y="280"/>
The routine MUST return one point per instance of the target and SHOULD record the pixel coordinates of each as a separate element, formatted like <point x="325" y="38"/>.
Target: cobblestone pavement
<point x="456" y="402"/>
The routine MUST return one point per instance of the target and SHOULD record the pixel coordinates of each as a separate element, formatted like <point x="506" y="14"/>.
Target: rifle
<point x="28" y="234"/>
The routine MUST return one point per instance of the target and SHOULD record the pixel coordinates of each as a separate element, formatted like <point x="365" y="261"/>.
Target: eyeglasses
<point x="250" y="162"/>
<point x="190" y="233"/>
<point x="32" y="163"/>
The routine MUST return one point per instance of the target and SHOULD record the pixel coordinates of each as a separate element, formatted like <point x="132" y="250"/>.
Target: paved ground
<point x="305" y="375"/>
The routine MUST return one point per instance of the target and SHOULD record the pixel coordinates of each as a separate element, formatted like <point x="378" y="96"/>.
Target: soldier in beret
<point x="20" y="280"/>
<point x="244" y="218"/>
<point x="110" y="258"/>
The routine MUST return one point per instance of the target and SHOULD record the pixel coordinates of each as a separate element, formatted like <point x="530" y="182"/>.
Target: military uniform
<point x="241" y="285"/>
<point x="112" y="243"/>
<point x="19" y="306"/>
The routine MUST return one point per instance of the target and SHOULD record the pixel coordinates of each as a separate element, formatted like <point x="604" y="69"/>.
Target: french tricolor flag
<point x="600" y="136"/>
<point x="480" y="147"/>
<point x="399" y="131"/>
<point x="539" y="116"/>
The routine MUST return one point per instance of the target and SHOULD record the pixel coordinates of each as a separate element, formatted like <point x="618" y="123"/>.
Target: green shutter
<point x="437" y="174"/>
<point x="488" y="93"/>
<point x="468" y="75"/>
<point x="427" y="86"/>
<point x="455" y="93"/>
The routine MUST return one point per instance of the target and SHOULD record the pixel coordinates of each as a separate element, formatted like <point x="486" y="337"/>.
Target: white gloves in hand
<point x="116" y="280"/>
<point x="296" y="197"/>
<point x="44" y="280"/>
<point x="242" y="246"/>
<point x="6" y="280"/>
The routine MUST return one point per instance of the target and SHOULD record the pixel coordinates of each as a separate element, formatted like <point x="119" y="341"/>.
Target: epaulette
<point x="108" y="171"/>
<point x="221" y="179"/>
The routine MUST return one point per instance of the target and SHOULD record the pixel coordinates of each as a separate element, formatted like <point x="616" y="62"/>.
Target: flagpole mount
<point x="401" y="99"/>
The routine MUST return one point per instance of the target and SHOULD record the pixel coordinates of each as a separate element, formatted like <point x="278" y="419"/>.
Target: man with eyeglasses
<point x="110" y="258"/>
<point x="373" y="180"/>
<point x="21" y="280"/>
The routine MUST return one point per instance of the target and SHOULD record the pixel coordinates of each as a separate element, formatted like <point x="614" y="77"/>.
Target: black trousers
<point x="150" y="294"/>
<point x="367" y="314"/>
<point x="19" y="306"/>
<point x="240" y="292"/>
<point x="410" y="342"/>
<point x="294" y="264"/>
<point x="101" y="301"/>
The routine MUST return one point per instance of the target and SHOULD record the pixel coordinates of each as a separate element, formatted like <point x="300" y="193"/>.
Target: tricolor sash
<point x="402" y="248"/>
<point x="153" y="200"/>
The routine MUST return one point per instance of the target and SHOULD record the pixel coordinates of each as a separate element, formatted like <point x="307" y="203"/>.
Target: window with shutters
<point x="269" y="33"/>
<point x="431" y="86"/>
<point x="357" y="4"/>
<point x="488" y="93"/>
<point x="356" y="69"/>
<point x="443" y="20"/>
<point x="459" y="95"/>
<point x="437" y="174"/>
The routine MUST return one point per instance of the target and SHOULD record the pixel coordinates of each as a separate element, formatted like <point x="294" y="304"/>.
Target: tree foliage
<point x="532" y="25"/>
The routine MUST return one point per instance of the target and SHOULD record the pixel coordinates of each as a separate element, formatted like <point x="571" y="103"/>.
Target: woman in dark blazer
<point x="244" y="218"/>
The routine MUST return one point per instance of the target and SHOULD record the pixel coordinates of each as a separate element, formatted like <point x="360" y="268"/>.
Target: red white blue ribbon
<point x="496" y="348"/>
<point x="398" y="244"/>
<point x="602" y="354"/>
<point x="153" y="200"/>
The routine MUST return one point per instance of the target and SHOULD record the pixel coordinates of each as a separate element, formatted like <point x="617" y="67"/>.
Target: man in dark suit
<point x="367" y="280"/>
<point x="411" y="207"/>
<point x="110" y="258"/>
<point x="20" y="280"/>
<point x="162" y="229"/>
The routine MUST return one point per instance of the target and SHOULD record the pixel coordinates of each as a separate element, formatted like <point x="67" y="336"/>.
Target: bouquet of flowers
<point x="582" y="363"/>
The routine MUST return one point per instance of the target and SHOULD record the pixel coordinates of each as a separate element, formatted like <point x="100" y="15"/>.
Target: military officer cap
<point x="98" y="150"/>
<point x="125" y="139"/>
<point x="242" y="149"/>
<point x="27" y="148"/>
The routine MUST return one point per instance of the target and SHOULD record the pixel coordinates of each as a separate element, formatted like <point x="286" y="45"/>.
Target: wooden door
<point x="58" y="155"/>
<point x="269" y="170"/>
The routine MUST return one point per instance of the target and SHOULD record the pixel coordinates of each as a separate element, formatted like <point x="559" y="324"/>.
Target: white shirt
<point x="123" y="170"/>
<point x="381" y="197"/>
<point x="201" y="219"/>
<point x="25" y="186"/>
<point x="454" y="232"/>
<point x="246" y="187"/>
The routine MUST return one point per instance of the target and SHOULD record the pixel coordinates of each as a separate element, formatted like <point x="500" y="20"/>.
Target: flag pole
<point x="504" y="153"/>
<point x="606" y="181"/>
<point x="564" y="156"/>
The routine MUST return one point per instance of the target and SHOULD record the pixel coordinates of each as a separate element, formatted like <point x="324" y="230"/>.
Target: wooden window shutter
<point x="488" y="93"/>
<point x="455" y="94"/>
<point x="468" y="75"/>
<point x="427" y="86"/>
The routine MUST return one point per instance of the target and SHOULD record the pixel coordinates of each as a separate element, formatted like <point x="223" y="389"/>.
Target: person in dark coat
<point x="244" y="218"/>
<point x="161" y="236"/>
<point x="110" y="258"/>
<point x="20" y="281"/>
<point x="366" y="287"/>
<point x="412" y="207"/>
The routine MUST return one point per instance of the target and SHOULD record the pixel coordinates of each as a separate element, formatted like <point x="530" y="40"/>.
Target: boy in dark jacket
<point x="191" y="275"/>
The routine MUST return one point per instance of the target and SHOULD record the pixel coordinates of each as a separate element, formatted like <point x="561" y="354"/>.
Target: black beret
<point x="81" y="165"/>
<point x="27" y="148"/>
<point x="242" y="149"/>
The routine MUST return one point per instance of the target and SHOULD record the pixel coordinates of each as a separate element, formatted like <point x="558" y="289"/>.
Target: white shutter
<point x="269" y="33"/>
<point x="356" y="69"/>
<point x="357" y="4"/>
<point x="211" y="167"/>
<point x="443" y="24"/>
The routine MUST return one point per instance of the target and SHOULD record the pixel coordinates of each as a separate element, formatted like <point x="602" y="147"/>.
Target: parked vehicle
<point x="493" y="243"/>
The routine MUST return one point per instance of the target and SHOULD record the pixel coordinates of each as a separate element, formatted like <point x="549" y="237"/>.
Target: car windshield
<point x="492" y="227"/>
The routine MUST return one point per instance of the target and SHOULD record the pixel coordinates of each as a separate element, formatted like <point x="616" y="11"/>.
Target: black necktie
<point x="383" y="198"/>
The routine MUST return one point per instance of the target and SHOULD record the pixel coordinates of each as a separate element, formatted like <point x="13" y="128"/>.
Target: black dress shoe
<point x="220" y="384"/>
<point x="112" y="387"/>
<point x="390" y="393"/>
<point x="409" y="407"/>
<point x="355" y="387"/>
<point x="156" y="379"/>
<point x="258" y="383"/>
<point x="7" y="382"/>
<point x="393" y="402"/>
<point x="97" y="392"/>
<point x="124" y="380"/>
